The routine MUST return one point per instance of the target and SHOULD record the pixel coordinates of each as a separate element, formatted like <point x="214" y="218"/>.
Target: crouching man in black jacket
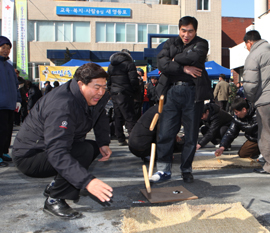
<point x="51" y="141"/>
<point x="216" y="123"/>
<point x="245" y="120"/>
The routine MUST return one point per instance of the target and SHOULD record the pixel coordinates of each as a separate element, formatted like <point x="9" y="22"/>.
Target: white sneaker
<point x="160" y="176"/>
<point x="261" y="159"/>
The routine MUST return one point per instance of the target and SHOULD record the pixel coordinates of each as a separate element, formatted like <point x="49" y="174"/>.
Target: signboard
<point x="56" y="73"/>
<point x="93" y="11"/>
<point x="22" y="48"/>
<point x="7" y="21"/>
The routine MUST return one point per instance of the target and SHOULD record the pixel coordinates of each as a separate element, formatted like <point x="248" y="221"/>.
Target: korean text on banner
<point x="22" y="50"/>
<point x="61" y="74"/>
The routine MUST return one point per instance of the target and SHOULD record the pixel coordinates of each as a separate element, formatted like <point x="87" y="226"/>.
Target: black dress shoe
<point x="47" y="191"/>
<point x="260" y="171"/>
<point x="187" y="177"/>
<point x="61" y="209"/>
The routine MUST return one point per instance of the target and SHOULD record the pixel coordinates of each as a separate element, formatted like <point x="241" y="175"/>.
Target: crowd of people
<point x="52" y="139"/>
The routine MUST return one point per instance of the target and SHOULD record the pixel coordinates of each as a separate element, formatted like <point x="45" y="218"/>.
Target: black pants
<point x="38" y="166"/>
<point x="6" y="127"/>
<point x="124" y="114"/>
<point x="138" y="110"/>
<point x="219" y="135"/>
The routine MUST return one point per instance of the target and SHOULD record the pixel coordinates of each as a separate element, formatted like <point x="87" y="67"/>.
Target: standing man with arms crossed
<point x="51" y="141"/>
<point x="182" y="62"/>
<point x="257" y="88"/>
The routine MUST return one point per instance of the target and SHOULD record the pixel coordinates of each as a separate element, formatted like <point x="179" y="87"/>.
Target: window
<point x="163" y="29"/>
<point x="152" y="29"/>
<point x="203" y="5"/>
<point x="81" y="32"/>
<point x="59" y="31"/>
<point x="45" y="31"/>
<point x="120" y="32"/>
<point x="142" y="33"/>
<point x="131" y="33"/>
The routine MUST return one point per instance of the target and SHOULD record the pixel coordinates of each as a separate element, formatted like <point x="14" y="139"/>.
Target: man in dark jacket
<point x="123" y="83"/>
<point x="51" y="141"/>
<point x="151" y="91"/>
<point x="181" y="61"/>
<point x="48" y="87"/>
<point x="34" y="94"/>
<point x="138" y="98"/>
<point x="141" y="137"/>
<point x="245" y="120"/>
<point x="216" y="123"/>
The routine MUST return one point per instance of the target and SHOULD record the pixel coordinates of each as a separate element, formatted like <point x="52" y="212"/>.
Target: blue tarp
<point x="213" y="69"/>
<point x="75" y="62"/>
<point x="153" y="73"/>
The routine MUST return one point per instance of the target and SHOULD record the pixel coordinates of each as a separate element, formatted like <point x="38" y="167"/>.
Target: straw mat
<point x="221" y="218"/>
<point x="224" y="161"/>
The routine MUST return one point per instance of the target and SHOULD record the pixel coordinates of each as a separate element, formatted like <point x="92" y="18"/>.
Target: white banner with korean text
<point x="7" y="22"/>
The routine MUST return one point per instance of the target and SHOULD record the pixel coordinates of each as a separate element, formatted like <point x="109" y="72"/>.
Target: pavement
<point x="22" y="199"/>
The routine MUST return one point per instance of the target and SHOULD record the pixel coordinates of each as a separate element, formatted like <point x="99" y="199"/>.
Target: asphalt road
<point x="22" y="200"/>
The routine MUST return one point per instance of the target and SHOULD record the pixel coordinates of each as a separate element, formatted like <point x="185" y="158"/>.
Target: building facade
<point x="94" y="35"/>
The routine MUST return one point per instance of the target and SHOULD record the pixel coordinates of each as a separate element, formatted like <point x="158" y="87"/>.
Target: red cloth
<point x="145" y="98"/>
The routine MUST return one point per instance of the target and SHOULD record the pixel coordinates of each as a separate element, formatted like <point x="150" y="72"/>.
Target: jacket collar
<point x="3" y="58"/>
<point x="257" y="44"/>
<point x="75" y="90"/>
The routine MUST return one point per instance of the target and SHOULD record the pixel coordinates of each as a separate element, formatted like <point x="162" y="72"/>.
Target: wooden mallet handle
<point x="152" y="159"/>
<point x="154" y="122"/>
<point x="146" y="179"/>
<point x="161" y="102"/>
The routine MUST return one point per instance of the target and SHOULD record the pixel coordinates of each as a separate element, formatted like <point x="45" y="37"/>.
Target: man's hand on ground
<point x="105" y="152"/>
<point x="100" y="190"/>
<point x="193" y="71"/>
<point x="219" y="151"/>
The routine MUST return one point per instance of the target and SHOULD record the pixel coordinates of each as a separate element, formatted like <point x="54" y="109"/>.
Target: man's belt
<point x="184" y="83"/>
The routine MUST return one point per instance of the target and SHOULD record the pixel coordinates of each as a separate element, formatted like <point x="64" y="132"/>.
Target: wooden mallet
<point x="146" y="179"/>
<point x="160" y="108"/>
<point x="152" y="159"/>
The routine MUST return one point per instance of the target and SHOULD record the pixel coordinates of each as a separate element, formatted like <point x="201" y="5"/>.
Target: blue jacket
<point x="9" y="92"/>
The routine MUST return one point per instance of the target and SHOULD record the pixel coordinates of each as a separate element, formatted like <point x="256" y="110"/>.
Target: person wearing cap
<point x="48" y="87"/>
<point x="10" y="98"/>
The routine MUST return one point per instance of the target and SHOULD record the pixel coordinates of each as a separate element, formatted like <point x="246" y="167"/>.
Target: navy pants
<point x="37" y="165"/>
<point x="6" y="127"/>
<point x="180" y="108"/>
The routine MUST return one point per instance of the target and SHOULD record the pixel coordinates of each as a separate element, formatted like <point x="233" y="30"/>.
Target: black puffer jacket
<point x="216" y="119"/>
<point x="123" y="77"/>
<point x="192" y="54"/>
<point x="56" y="121"/>
<point x="248" y="124"/>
